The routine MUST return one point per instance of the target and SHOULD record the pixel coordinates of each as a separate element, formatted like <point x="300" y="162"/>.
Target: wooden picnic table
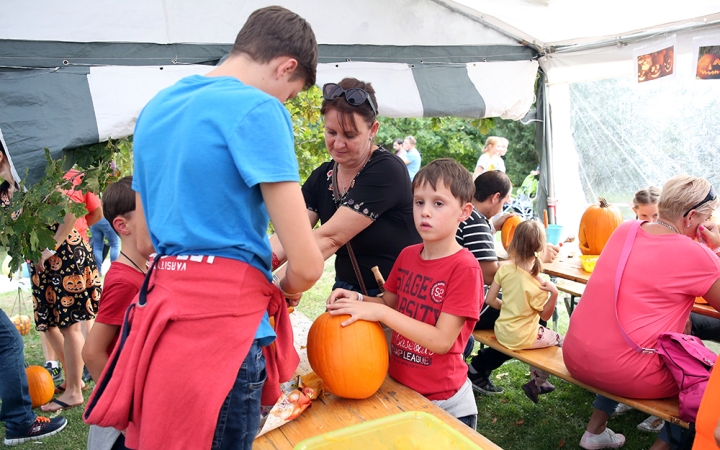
<point x="569" y="268"/>
<point x="332" y="413"/>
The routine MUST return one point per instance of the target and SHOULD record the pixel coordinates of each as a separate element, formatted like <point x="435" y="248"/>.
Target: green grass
<point x="510" y="419"/>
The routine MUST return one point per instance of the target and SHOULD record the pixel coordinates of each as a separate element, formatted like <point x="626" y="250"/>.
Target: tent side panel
<point x="448" y="91"/>
<point x="41" y="108"/>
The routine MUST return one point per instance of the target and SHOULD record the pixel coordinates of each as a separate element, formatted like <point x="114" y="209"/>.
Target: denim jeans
<point x="605" y="404"/>
<point x="16" y="409"/>
<point x="101" y="231"/>
<point x="239" y="417"/>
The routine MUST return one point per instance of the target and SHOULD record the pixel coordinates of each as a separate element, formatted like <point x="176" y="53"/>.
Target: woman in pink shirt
<point x="665" y="271"/>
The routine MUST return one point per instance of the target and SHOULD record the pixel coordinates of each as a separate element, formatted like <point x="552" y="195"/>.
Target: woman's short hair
<point x="490" y="183"/>
<point x="346" y="110"/>
<point x="646" y="196"/>
<point x="274" y="31"/>
<point x="448" y="171"/>
<point x="682" y="193"/>
<point x="492" y="141"/>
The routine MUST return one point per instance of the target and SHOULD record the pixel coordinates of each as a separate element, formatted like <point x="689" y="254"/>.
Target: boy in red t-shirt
<point x="125" y="277"/>
<point x="122" y="283"/>
<point x="433" y="294"/>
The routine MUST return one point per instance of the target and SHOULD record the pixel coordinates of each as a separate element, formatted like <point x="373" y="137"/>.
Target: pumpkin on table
<point x="596" y="225"/>
<point x="508" y="230"/>
<point x="352" y="361"/>
<point x="40" y="385"/>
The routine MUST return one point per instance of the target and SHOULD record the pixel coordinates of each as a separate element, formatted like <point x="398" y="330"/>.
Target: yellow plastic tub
<point x="412" y="430"/>
<point x="588" y="262"/>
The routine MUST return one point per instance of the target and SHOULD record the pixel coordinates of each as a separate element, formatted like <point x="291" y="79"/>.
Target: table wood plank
<point x="706" y="310"/>
<point x="568" y="269"/>
<point x="332" y="413"/>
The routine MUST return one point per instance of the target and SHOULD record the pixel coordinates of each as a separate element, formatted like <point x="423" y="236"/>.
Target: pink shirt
<point x="663" y="275"/>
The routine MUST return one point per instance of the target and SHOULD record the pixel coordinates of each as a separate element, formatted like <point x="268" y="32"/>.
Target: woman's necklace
<point x="667" y="225"/>
<point x="133" y="263"/>
<point x="346" y="187"/>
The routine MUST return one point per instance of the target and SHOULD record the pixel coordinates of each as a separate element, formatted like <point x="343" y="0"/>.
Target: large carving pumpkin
<point x="22" y="323"/>
<point x="352" y="360"/>
<point x="40" y="384"/>
<point x="508" y="230"/>
<point x="596" y="225"/>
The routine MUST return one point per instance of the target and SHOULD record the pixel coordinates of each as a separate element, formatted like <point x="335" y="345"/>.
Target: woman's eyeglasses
<point x="354" y="96"/>
<point x="708" y="198"/>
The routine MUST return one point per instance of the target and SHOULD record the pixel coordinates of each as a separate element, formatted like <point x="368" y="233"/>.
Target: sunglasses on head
<point x="708" y="198"/>
<point x="354" y="96"/>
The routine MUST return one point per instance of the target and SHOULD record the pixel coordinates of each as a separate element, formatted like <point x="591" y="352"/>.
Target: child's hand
<point x="548" y="286"/>
<point x="340" y="293"/>
<point x="371" y="312"/>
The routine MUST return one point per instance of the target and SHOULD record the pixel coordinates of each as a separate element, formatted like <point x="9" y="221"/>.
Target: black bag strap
<point x="336" y="196"/>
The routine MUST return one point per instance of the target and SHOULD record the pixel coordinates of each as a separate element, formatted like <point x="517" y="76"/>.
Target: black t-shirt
<point x="382" y="192"/>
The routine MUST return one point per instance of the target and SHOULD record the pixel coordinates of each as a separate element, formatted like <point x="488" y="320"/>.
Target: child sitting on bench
<point x="525" y="301"/>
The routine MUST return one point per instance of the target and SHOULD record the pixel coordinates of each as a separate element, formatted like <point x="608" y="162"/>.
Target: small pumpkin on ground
<point x="40" y="385"/>
<point x="22" y="323"/>
<point x="352" y="360"/>
<point x="597" y="224"/>
<point x="508" y="230"/>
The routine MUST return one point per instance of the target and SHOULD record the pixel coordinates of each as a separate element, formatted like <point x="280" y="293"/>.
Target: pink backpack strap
<point x="624" y="254"/>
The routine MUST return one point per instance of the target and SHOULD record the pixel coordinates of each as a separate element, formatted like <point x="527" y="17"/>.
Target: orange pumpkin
<point x="40" y="384"/>
<point x="508" y="230"/>
<point x="352" y="360"/>
<point x="596" y="225"/>
<point x="22" y="323"/>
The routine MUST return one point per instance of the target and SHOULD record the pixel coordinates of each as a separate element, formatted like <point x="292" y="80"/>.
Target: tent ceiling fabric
<point x="96" y="63"/>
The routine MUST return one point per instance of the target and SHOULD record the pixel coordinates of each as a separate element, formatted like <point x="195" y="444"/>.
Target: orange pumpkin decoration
<point x="352" y="360"/>
<point x="22" y="323"/>
<point x="40" y="384"/>
<point x="508" y="230"/>
<point x="74" y="283"/>
<point x="596" y="225"/>
<point x="708" y="67"/>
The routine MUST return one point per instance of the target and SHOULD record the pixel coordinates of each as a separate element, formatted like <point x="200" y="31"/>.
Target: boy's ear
<point x="286" y="67"/>
<point x="120" y="225"/>
<point x="466" y="211"/>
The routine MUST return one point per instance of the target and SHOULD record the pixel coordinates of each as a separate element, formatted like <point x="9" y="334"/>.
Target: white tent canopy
<point x="77" y="72"/>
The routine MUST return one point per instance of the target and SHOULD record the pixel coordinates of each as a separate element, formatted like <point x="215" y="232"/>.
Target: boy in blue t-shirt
<point x="214" y="162"/>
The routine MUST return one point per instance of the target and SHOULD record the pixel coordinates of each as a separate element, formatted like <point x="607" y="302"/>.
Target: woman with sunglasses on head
<point x="362" y="197"/>
<point x="665" y="270"/>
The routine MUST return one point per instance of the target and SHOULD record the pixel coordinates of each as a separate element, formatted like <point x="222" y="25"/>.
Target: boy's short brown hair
<point x="452" y="174"/>
<point x="275" y="31"/>
<point x="118" y="200"/>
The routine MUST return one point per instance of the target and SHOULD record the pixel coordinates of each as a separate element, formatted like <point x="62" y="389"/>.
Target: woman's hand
<point x="340" y="293"/>
<point x="371" y="312"/>
<point x="40" y="265"/>
<point x="550" y="253"/>
<point x="709" y="233"/>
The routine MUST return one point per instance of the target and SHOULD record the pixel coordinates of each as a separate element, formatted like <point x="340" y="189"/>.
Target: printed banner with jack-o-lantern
<point x="656" y="61"/>
<point x="707" y="58"/>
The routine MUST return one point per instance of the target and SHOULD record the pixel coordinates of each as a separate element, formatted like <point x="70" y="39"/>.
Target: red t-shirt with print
<point x="424" y="289"/>
<point x="122" y="284"/>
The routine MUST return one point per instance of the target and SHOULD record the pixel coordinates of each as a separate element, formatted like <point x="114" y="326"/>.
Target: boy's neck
<point x="130" y="256"/>
<point x="440" y="249"/>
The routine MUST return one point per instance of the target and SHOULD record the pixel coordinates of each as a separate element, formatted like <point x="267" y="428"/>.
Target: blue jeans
<point x="239" y="417"/>
<point x="101" y="231"/>
<point x="605" y="404"/>
<point x="16" y="409"/>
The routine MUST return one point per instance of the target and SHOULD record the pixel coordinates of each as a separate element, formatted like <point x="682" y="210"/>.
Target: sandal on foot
<point x="63" y="406"/>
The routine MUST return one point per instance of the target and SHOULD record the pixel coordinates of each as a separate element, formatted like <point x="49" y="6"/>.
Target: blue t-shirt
<point x="201" y="149"/>
<point x="415" y="159"/>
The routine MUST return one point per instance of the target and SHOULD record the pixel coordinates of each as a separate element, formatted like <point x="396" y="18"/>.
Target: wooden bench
<point x="551" y="360"/>
<point x="575" y="289"/>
